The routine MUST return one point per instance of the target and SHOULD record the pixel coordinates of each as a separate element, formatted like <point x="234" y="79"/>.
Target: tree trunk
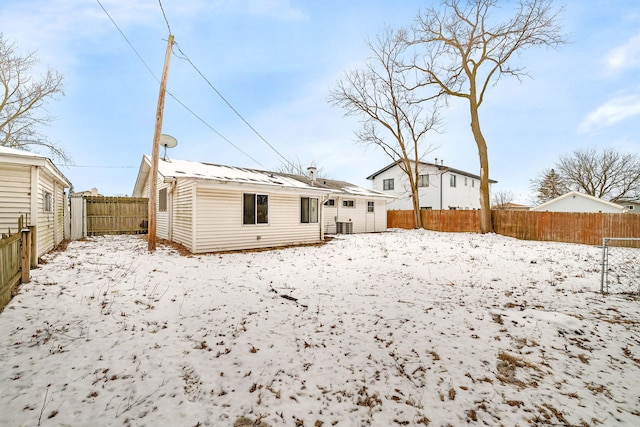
<point x="416" y="204"/>
<point x="486" y="225"/>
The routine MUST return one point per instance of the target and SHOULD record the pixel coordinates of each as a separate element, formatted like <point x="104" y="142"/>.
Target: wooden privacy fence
<point x="569" y="227"/>
<point x="116" y="215"/>
<point x="453" y="221"/>
<point x="15" y="261"/>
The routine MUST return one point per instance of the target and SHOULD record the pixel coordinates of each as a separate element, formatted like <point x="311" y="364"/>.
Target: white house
<point x="440" y="187"/>
<point x="579" y="202"/>
<point x="353" y="209"/>
<point x="632" y="206"/>
<point x="32" y="186"/>
<point x="210" y="208"/>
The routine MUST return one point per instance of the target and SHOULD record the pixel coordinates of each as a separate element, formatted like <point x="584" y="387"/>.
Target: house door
<point x="370" y="219"/>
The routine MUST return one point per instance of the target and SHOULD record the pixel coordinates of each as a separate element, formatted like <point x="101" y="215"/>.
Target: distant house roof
<point x="231" y="174"/>
<point x="574" y="194"/>
<point x="13" y="155"/>
<point x="441" y="167"/>
<point x="512" y="206"/>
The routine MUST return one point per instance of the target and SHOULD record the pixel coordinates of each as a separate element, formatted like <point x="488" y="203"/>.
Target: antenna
<point x="167" y="141"/>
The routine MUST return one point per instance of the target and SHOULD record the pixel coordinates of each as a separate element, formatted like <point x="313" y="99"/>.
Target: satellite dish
<point x="167" y="141"/>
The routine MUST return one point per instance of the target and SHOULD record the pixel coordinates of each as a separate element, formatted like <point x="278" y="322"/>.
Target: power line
<point x="128" y="42"/>
<point x="186" y="58"/>
<point x="165" y="16"/>
<point x="169" y="93"/>
<point x="209" y="126"/>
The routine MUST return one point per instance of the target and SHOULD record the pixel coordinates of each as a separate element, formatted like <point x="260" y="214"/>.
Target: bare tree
<point x="463" y="50"/>
<point x="549" y="185"/>
<point x="502" y="198"/>
<point x="606" y="174"/>
<point x="296" y="167"/>
<point x="23" y="100"/>
<point x="393" y="118"/>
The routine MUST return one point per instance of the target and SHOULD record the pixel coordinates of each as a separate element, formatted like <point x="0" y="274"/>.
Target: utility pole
<point x="153" y="174"/>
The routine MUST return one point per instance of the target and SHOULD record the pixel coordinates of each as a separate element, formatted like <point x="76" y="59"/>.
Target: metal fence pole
<point x="604" y="246"/>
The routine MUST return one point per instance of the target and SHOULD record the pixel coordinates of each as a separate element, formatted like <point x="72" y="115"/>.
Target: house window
<point x="630" y="207"/>
<point x="162" y="200"/>
<point x="255" y="208"/>
<point x="473" y="183"/>
<point x="387" y="184"/>
<point x="370" y="206"/>
<point x="465" y="181"/>
<point x="423" y="180"/>
<point x="48" y="202"/>
<point x="452" y="181"/>
<point x="330" y="202"/>
<point x="308" y="210"/>
<point x="426" y="208"/>
<point x="348" y="204"/>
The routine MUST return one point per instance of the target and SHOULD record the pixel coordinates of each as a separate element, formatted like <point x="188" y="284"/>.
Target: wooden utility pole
<point x="153" y="174"/>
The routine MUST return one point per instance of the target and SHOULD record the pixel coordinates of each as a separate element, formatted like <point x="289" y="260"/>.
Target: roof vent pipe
<point x="313" y="173"/>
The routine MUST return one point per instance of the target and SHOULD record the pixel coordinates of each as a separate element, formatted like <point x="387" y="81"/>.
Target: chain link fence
<point x="620" y="269"/>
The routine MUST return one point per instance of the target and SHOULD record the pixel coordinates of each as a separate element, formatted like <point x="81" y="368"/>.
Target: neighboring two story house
<point x="439" y="187"/>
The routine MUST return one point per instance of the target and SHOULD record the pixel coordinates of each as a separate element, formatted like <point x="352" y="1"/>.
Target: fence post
<point x="26" y="255"/>
<point x="603" y="265"/>
<point x="33" y="243"/>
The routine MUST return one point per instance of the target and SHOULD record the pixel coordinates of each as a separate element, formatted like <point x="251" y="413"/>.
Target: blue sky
<point x="275" y="61"/>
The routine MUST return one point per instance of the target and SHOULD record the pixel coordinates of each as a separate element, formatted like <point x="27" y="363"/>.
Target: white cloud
<point x="611" y="112"/>
<point x="626" y="56"/>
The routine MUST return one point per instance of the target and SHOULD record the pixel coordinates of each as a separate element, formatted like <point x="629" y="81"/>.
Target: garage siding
<point x="15" y="196"/>
<point x="46" y="219"/>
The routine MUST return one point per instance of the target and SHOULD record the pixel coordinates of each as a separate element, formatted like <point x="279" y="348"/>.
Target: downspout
<point x="441" y="173"/>
<point x="321" y="214"/>
<point x="35" y="216"/>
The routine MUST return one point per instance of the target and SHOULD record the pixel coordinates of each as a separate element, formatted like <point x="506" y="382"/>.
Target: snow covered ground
<point x="403" y="328"/>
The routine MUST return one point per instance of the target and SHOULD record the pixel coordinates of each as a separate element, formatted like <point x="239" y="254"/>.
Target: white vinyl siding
<point x="26" y="182"/>
<point x="46" y="227"/>
<point x="183" y="213"/>
<point x="219" y="222"/>
<point x="15" y="198"/>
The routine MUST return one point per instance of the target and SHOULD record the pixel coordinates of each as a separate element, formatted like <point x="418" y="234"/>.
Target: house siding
<point x="183" y="213"/>
<point x="46" y="222"/>
<point x="15" y="196"/>
<point x="60" y="200"/>
<point x="363" y="221"/>
<point x="439" y="194"/>
<point x="578" y="203"/>
<point x="219" y="221"/>
<point x="25" y="178"/>
<point x="162" y="218"/>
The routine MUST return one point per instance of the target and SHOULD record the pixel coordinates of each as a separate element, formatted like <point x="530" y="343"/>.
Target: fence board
<point x="10" y="258"/>
<point x="116" y="215"/>
<point x="583" y="228"/>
